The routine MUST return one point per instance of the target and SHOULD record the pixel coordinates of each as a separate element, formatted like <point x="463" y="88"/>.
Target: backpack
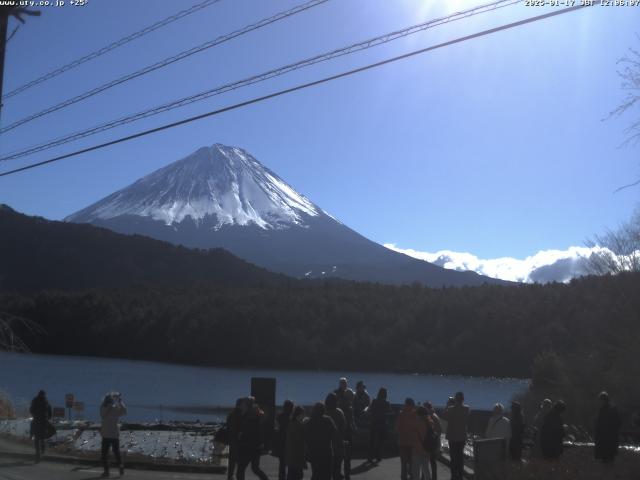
<point x="431" y="441"/>
<point x="222" y="435"/>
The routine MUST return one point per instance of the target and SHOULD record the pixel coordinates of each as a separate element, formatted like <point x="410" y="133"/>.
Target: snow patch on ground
<point x="173" y="446"/>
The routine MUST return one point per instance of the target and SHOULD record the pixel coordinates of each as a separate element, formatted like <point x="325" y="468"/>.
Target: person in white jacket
<point x="111" y="410"/>
<point x="498" y="426"/>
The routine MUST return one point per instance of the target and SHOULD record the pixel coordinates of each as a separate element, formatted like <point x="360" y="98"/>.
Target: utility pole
<point x="4" y="22"/>
<point x="5" y="13"/>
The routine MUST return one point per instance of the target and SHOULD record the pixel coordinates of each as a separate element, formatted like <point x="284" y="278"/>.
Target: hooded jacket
<point x="498" y="427"/>
<point x="110" y="415"/>
<point x="41" y="411"/>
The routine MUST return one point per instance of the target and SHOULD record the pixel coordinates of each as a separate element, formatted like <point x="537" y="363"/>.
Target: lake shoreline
<point x="158" y="391"/>
<point x="272" y="368"/>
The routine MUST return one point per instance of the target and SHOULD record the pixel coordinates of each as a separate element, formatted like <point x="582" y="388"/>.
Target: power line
<point x="167" y="61"/>
<point x="15" y="30"/>
<point x="119" y="43"/>
<point x="300" y="87"/>
<point x="363" y="45"/>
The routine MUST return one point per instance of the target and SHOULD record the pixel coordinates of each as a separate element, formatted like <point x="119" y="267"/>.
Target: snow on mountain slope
<point x="221" y="181"/>
<point x="222" y="197"/>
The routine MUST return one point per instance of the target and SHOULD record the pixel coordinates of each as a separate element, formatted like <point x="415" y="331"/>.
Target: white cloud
<point x="545" y="266"/>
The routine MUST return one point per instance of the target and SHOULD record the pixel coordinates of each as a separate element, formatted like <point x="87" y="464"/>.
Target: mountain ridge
<point x="222" y="197"/>
<point x="36" y="253"/>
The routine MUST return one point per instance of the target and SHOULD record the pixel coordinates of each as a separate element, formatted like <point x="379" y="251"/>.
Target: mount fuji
<point x="221" y="196"/>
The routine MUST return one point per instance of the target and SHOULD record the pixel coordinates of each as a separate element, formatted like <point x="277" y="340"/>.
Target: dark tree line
<point x="36" y="253"/>
<point x="488" y="330"/>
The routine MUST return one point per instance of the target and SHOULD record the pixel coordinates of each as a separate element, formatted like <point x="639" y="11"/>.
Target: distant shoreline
<point x="339" y="373"/>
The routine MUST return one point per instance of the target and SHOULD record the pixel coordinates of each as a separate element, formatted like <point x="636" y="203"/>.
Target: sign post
<point x="58" y="412"/>
<point x="78" y="408"/>
<point x="68" y="403"/>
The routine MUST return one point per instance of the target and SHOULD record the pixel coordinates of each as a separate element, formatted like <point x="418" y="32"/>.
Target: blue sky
<point x="496" y="146"/>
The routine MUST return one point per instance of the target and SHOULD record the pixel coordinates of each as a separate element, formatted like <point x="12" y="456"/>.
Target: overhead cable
<point x="163" y="63"/>
<point x="363" y="45"/>
<point x="300" y="87"/>
<point x="112" y="46"/>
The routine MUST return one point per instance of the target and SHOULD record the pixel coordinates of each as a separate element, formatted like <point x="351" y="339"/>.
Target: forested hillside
<point x="36" y="253"/>
<point x="490" y="330"/>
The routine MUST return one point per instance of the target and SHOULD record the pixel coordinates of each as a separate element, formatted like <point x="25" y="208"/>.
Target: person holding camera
<point x="111" y="410"/>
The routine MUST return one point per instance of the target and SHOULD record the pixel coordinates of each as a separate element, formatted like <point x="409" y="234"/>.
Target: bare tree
<point x="9" y="339"/>
<point x="619" y="249"/>
<point x="630" y="75"/>
<point x="629" y="72"/>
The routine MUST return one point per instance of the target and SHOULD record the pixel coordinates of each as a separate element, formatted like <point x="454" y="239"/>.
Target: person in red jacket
<point x="419" y="452"/>
<point x="406" y="425"/>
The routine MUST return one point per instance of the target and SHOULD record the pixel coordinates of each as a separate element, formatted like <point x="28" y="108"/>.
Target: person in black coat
<point x="552" y="432"/>
<point x="361" y="400"/>
<point x="332" y="411"/>
<point x="607" y="430"/>
<point x="346" y="396"/>
<point x="280" y="439"/>
<point x="41" y="412"/>
<point x="517" y="432"/>
<point x="378" y="411"/>
<point x="233" y="424"/>
<point x="321" y="437"/>
<point x="435" y="453"/>
<point x="251" y="439"/>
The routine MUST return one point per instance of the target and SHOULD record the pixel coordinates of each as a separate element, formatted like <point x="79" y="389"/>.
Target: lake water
<point x="175" y="392"/>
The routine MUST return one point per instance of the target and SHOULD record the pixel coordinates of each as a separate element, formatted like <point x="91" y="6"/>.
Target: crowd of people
<point x="325" y="439"/>
<point x="549" y="430"/>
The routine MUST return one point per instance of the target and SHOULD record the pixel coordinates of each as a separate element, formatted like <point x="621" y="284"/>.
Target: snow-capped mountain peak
<point x="222" y="197"/>
<point x="218" y="181"/>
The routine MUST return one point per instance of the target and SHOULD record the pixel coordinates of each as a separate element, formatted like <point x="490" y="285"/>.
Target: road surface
<point x="12" y="468"/>
<point x="16" y="463"/>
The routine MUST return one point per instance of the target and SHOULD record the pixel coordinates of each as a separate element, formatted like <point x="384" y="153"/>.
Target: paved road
<point x="16" y="464"/>
<point x="17" y="469"/>
<point x="21" y="469"/>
